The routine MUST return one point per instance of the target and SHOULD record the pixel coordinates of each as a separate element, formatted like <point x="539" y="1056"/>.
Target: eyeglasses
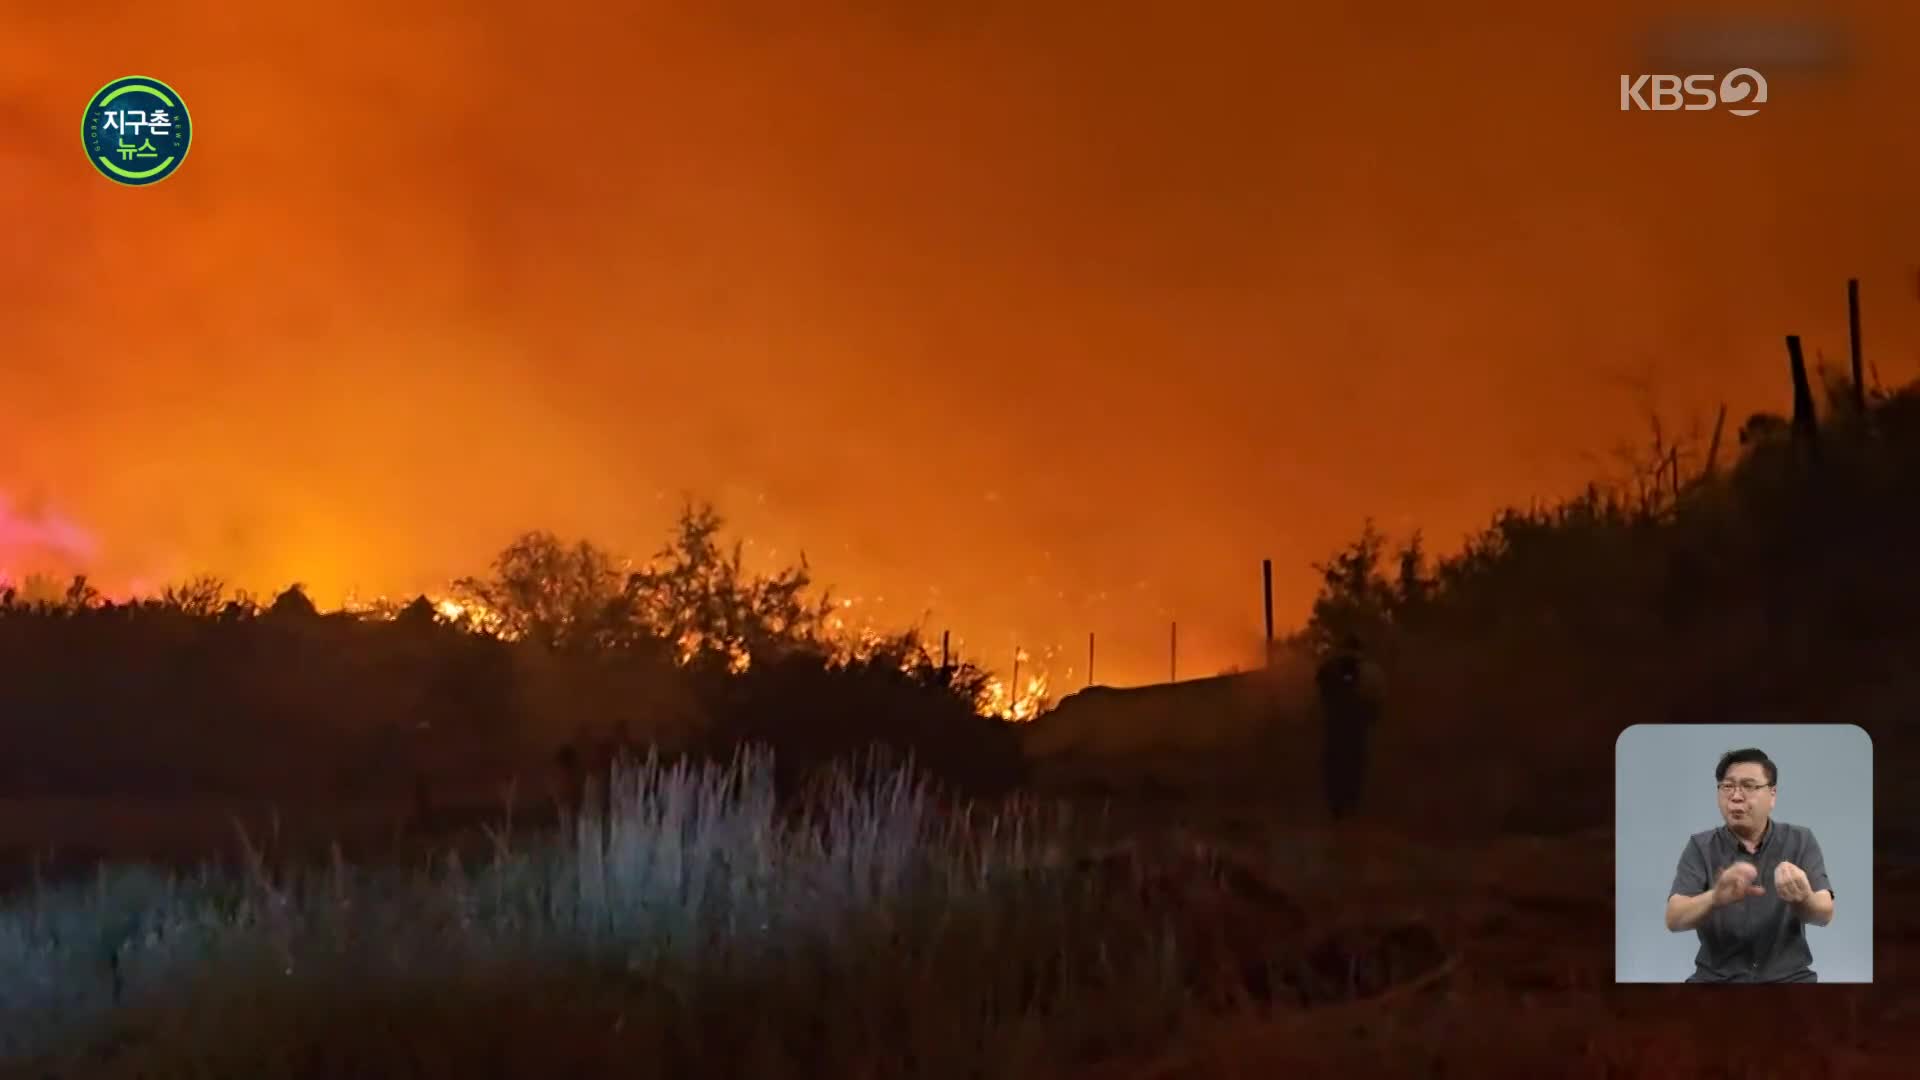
<point x="1728" y="787"/>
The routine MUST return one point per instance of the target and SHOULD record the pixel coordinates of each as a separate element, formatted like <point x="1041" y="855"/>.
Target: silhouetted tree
<point x="293" y="603"/>
<point x="82" y="596"/>
<point x="418" y="615"/>
<point x="239" y="609"/>
<point x="695" y="597"/>
<point x="1413" y="587"/>
<point x="554" y="594"/>
<point x="200" y="595"/>
<point x="700" y="598"/>
<point x="1763" y="427"/>
<point x="1356" y="599"/>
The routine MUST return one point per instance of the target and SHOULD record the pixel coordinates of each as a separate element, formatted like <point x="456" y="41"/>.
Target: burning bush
<point x="196" y="692"/>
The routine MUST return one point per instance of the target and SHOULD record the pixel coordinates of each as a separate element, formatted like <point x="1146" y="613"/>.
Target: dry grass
<point x="702" y="929"/>
<point x="695" y="927"/>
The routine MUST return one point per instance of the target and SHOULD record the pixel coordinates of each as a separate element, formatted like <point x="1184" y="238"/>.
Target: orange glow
<point x="1017" y="321"/>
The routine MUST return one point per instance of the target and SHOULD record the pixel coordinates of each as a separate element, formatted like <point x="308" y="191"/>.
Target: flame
<point x="454" y="611"/>
<point x="46" y="539"/>
<point x="1018" y="705"/>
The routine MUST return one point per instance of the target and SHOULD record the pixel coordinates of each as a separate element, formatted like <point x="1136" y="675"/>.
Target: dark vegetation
<point x="1776" y="580"/>
<point x="200" y="693"/>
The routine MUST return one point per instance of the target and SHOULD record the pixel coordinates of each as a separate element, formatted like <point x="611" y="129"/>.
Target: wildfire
<point x="1017" y="704"/>
<point x="1023" y="695"/>
<point x="43" y="538"/>
<point x="464" y="613"/>
<point x="1001" y="696"/>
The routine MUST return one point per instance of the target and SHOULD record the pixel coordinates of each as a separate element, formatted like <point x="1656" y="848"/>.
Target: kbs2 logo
<point x="1670" y="93"/>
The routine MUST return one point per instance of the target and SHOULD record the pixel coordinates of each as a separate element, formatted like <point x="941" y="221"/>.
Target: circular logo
<point x="1741" y="83"/>
<point x="136" y="130"/>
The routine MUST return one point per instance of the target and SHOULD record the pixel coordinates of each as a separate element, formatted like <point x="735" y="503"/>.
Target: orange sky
<point x="1043" y="321"/>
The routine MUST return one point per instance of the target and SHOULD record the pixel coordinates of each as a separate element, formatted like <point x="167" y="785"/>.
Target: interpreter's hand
<point x="1737" y="883"/>
<point x="1790" y="883"/>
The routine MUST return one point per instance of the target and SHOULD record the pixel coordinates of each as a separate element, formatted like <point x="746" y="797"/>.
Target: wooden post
<point x="1173" y="653"/>
<point x="1673" y="471"/>
<point x="1013" y="686"/>
<point x="1853" y="335"/>
<point x="1806" y="429"/>
<point x="1266" y="592"/>
<point x="1089" y="658"/>
<point x="945" y="664"/>
<point x="1713" y="448"/>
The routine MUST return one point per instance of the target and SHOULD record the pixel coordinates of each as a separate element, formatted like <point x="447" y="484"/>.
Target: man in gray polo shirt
<point x="1748" y="931"/>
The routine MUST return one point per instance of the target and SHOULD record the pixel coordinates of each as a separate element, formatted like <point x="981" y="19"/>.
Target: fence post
<point x="1266" y="589"/>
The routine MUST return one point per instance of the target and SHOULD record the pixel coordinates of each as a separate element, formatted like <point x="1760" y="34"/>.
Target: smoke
<point x="36" y="538"/>
<point x="1048" y="323"/>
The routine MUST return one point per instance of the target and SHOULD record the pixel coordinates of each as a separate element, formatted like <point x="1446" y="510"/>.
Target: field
<point x="407" y="880"/>
<point x="703" y="927"/>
